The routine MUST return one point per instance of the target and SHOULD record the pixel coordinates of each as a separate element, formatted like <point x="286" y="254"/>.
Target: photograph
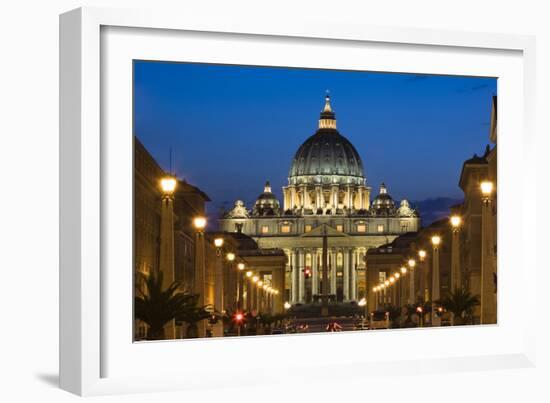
<point x="270" y="200"/>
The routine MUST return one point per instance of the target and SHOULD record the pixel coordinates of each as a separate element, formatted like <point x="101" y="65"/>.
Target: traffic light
<point x="307" y="272"/>
<point x="239" y="317"/>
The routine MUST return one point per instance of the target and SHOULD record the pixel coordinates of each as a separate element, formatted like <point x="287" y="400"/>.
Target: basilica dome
<point x="327" y="156"/>
<point x="266" y="203"/>
<point x="383" y="203"/>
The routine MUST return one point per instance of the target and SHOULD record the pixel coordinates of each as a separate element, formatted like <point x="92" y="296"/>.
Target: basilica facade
<point x="327" y="195"/>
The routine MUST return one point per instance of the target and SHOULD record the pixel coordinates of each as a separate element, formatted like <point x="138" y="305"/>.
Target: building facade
<point x="327" y="193"/>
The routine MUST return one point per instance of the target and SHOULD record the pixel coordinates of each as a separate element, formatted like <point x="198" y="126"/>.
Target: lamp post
<point x="423" y="275"/>
<point x="456" y="223"/>
<point x="436" y="240"/>
<point x="240" y="270"/>
<point x="488" y="296"/>
<point x="248" y="300"/>
<point x="217" y="329"/>
<point x="200" y="268"/>
<point x="412" y="264"/>
<point x="166" y="261"/>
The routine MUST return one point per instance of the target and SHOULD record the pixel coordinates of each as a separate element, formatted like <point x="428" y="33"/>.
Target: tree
<point x="461" y="304"/>
<point x="157" y="306"/>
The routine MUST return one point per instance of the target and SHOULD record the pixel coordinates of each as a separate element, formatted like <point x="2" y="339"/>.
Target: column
<point x="354" y="275"/>
<point x="333" y="272"/>
<point x="346" y="274"/>
<point x="294" y="279"/>
<point x="335" y="196"/>
<point x="315" y="276"/>
<point x="360" y="195"/>
<point x="436" y="321"/>
<point x="301" y="278"/>
<point x="292" y="197"/>
<point x="349" y="201"/>
<point x="307" y="202"/>
<point x="318" y="197"/>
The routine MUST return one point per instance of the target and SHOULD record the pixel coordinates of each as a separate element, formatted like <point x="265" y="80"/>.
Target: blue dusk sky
<point x="231" y="128"/>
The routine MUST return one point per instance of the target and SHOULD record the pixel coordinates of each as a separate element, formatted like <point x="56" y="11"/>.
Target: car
<point x="379" y="320"/>
<point x="361" y="325"/>
<point x="278" y="330"/>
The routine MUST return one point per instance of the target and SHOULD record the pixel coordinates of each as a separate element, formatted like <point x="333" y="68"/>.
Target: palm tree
<point x="157" y="306"/>
<point x="461" y="304"/>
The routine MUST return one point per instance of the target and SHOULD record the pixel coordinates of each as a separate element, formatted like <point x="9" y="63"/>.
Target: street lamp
<point x="412" y="264"/>
<point x="287" y="305"/>
<point x="241" y="267"/>
<point x="456" y="222"/>
<point x="230" y="256"/>
<point x="403" y="270"/>
<point x="422" y="254"/>
<point x="199" y="223"/>
<point x="436" y="241"/>
<point x="486" y="189"/>
<point x="218" y="242"/>
<point x="488" y="271"/>
<point x="248" y="273"/>
<point x="168" y="185"/>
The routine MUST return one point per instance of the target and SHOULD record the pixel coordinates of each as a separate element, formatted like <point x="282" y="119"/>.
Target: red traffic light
<point x="307" y="273"/>
<point x="239" y="317"/>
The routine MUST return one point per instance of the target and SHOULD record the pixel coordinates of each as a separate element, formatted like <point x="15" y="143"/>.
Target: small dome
<point x="266" y="203"/>
<point x="327" y="154"/>
<point x="383" y="203"/>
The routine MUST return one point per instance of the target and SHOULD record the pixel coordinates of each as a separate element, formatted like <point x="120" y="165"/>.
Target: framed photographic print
<point x="310" y="196"/>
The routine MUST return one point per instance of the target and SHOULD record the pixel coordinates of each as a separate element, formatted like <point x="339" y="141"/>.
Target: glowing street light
<point x="486" y="188"/>
<point x="230" y="256"/>
<point x="397" y="275"/>
<point x="287" y="305"/>
<point x="241" y="266"/>
<point x="436" y="240"/>
<point x="412" y="263"/>
<point x="199" y="223"/>
<point x="255" y="279"/>
<point x="403" y="270"/>
<point x="422" y="254"/>
<point x="168" y="185"/>
<point x="387" y="283"/>
<point x="218" y="242"/>
<point x="455" y="220"/>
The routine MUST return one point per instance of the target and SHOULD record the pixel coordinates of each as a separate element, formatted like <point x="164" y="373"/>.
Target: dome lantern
<point x="328" y="118"/>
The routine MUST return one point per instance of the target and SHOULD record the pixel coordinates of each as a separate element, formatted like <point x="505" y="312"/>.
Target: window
<point x="265" y="229"/>
<point x="380" y="228"/>
<point x="340" y="228"/>
<point x="285" y="229"/>
<point x="361" y="228"/>
<point x="307" y="228"/>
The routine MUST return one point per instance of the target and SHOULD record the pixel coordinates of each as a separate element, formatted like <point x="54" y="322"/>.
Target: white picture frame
<point x="96" y="357"/>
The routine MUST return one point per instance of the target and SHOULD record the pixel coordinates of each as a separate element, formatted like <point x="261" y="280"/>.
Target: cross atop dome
<point x="267" y="187"/>
<point x="328" y="118"/>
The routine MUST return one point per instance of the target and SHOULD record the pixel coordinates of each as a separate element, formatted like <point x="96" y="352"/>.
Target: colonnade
<point x="342" y="261"/>
<point x="316" y="197"/>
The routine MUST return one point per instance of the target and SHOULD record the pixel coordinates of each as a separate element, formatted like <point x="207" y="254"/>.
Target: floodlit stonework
<point x="327" y="192"/>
